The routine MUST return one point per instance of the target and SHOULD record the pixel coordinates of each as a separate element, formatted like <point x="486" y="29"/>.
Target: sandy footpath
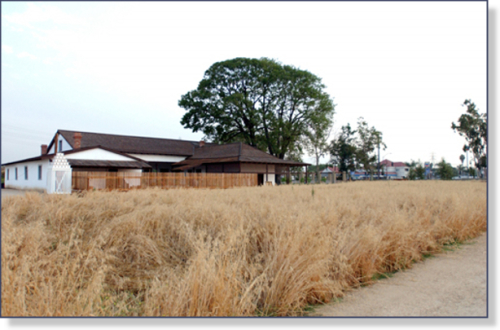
<point x="450" y="284"/>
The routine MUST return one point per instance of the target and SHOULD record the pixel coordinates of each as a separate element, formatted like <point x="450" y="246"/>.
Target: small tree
<point x="445" y="170"/>
<point x="343" y="150"/>
<point x="420" y="172"/>
<point x="472" y="125"/>
<point x="315" y="140"/>
<point x="412" y="175"/>
<point x="368" y="140"/>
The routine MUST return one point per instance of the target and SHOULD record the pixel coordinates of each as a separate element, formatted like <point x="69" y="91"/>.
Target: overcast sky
<point x="121" y="68"/>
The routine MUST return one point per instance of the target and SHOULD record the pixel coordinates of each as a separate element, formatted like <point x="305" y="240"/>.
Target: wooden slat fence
<point x="127" y="180"/>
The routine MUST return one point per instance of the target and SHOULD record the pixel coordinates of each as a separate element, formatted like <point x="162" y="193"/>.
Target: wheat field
<point x="235" y="252"/>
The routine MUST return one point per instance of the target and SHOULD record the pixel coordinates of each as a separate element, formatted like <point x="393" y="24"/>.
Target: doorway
<point x="260" y="179"/>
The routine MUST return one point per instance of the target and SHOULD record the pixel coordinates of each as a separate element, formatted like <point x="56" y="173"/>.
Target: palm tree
<point x="462" y="158"/>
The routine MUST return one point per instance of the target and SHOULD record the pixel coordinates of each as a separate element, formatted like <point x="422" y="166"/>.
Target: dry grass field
<point x="235" y="252"/>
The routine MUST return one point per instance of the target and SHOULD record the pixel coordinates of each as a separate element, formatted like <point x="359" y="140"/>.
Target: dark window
<point x="26" y="173"/>
<point x="60" y="146"/>
<point x="16" y="173"/>
<point x="7" y="174"/>
<point x="39" y="172"/>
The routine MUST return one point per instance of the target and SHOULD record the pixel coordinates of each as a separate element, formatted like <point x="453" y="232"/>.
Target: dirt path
<point x="449" y="284"/>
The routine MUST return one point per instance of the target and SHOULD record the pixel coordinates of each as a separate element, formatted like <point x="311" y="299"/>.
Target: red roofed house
<point x="395" y="170"/>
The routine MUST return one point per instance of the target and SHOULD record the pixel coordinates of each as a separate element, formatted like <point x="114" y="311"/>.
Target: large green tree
<point x="472" y="125"/>
<point x="257" y="101"/>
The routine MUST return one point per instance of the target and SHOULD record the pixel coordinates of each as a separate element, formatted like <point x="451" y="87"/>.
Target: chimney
<point x="44" y="149"/>
<point x="77" y="140"/>
<point x="202" y="143"/>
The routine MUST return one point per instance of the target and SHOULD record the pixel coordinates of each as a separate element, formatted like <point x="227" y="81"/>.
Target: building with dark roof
<point x="85" y="151"/>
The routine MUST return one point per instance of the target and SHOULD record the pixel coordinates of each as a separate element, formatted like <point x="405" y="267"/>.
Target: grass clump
<point x="269" y="251"/>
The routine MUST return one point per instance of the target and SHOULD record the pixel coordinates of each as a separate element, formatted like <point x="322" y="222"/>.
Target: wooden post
<point x="313" y="177"/>
<point x="288" y="177"/>
<point x="334" y="177"/>
<point x="306" y="176"/>
<point x="301" y="175"/>
<point x="330" y="177"/>
<point x="344" y="176"/>
<point x="267" y="179"/>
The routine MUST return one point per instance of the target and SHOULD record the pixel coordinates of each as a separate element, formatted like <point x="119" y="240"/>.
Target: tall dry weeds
<point x="245" y="251"/>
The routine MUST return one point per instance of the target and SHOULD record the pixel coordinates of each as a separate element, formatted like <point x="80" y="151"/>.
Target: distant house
<point x="394" y="170"/>
<point x="328" y="170"/>
<point x="86" y="151"/>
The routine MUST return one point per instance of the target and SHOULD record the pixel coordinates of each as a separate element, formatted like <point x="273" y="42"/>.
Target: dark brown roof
<point x="131" y="144"/>
<point x="190" y="163"/>
<point x="234" y="152"/>
<point x="253" y="155"/>
<point x="32" y="159"/>
<point x="107" y="163"/>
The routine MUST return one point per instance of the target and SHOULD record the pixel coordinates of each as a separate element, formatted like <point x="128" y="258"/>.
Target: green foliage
<point x="472" y="125"/>
<point x="417" y="170"/>
<point x="472" y="171"/>
<point x="257" y="101"/>
<point x="420" y="172"/>
<point x="444" y="170"/>
<point x="316" y="136"/>
<point x="343" y="149"/>
<point x="368" y="140"/>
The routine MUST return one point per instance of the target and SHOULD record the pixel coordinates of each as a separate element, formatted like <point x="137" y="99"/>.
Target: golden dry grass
<point x="244" y="251"/>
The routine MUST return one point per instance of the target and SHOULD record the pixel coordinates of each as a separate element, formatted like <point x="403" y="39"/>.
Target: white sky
<point x="121" y="68"/>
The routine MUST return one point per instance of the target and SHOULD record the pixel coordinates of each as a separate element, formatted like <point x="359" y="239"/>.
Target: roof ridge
<point x="133" y="136"/>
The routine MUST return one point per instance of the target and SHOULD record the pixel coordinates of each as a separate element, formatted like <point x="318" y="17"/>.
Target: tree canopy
<point x="343" y="149"/>
<point x="368" y="139"/>
<point x="472" y="125"/>
<point x="444" y="170"/>
<point x="257" y="101"/>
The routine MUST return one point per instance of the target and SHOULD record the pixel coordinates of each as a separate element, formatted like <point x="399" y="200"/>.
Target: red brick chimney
<point x="44" y="149"/>
<point x="202" y="143"/>
<point x="77" y="140"/>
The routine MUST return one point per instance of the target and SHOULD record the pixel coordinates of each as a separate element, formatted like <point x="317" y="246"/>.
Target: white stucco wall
<point x="270" y="178"/>
<point x="402" y="172"/>
<point x="65" y="145"/>
<point x="97" y="154"/>
<point x="159" y="158"/>
<point x="33" y="182"/>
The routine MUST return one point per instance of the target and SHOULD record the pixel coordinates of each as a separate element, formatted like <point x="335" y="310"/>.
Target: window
<point x="26" y="173"/>
<point x="39" y="172"/>
<point x="60" y="146"/>
<point x="7" y="174"/>
<point x="16" y="173"/>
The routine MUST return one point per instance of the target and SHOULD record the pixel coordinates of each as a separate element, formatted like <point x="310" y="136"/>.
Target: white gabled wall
<point x="159" y="158"/>
<point x="65" y="145"/>
<point x="402" y="172"/>
<point x="97" y="154"/>
<point x="32" y="182"/>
